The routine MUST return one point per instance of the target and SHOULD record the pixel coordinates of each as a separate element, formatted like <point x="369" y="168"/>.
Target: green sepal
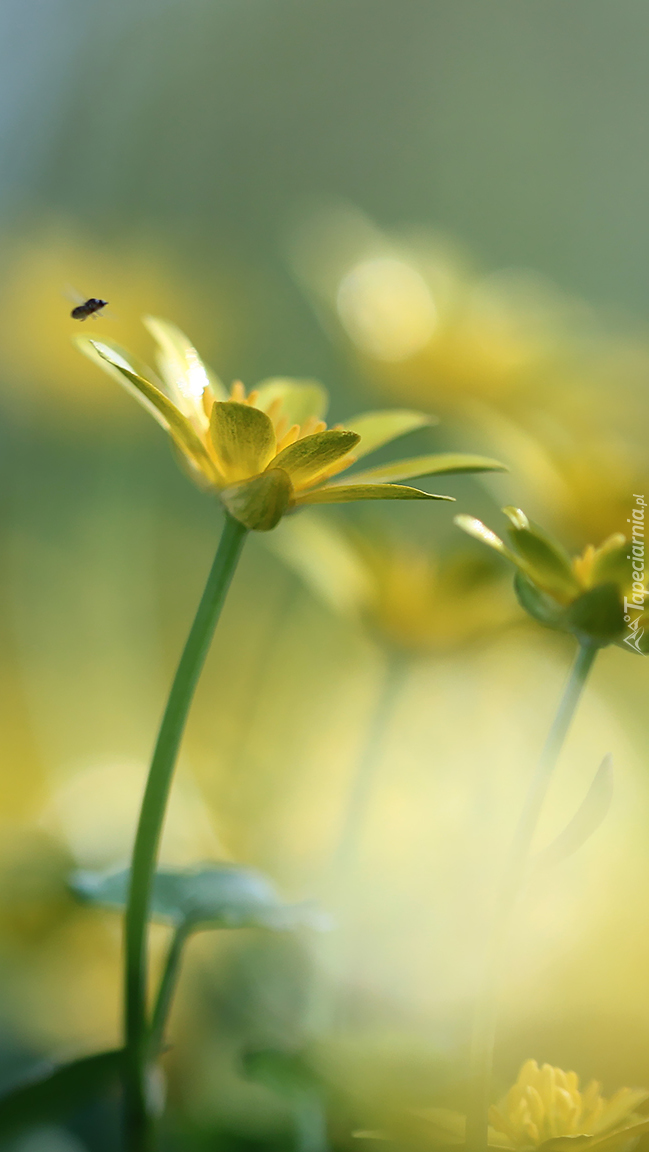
<point x="211" y="896"/>
<point x="597" y="616"/>
<point x="52" y="1093"/>
<point x="537" y="603"/>
<point x="546" y="560"/>
<point x="261" y="502"/>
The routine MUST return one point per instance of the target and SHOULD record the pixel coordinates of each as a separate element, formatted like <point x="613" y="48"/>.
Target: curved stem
<point x="363" y="782"/>
<point x="138" y="1125"/>
<point x="513" y="879"/>
<point x="166" y="988"/>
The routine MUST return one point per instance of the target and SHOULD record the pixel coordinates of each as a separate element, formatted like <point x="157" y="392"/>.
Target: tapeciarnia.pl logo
<point x="634" y="605"/>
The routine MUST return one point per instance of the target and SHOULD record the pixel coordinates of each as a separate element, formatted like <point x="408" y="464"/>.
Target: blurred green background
<point x="261" y="172"/>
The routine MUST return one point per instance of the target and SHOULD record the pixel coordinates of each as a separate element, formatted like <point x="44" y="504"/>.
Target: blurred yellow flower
<point x="410" y="599"/>
<point x="532" y="374"/>
<point x="545" y="1109"/>
<point x="270" y="451"/>
<point x="546" y="1102"/>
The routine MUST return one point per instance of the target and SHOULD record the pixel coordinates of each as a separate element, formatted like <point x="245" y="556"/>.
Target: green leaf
<point x="113" y="360"/>
<point x="443" y="463"/>
<point x="52" y="1093"/>
<point x="301" y="400"/>
<point x="344" y="493"/>
<point x="587" y="819"/>
<point x="261" y="502"/>
<point x="378" y="428"/>
<point x="308" y="458"/>
<point x="243" y="439"/>
<point x="538" y="603"/>
<point x="597" y="616"/>
<point x="212" y="896"/>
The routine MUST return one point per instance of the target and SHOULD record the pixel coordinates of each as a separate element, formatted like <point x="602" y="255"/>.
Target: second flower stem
<point x="513" y="879"/>
<point x="139" y="1136"/>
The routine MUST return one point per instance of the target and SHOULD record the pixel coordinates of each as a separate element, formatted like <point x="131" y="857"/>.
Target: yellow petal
<point x="261" y="502"/>
<point x="183" y="371"/>
<point x="306" y="459"/>
<point x="443" y="463"/>
<point x="243" y="439"/>
<point x="344" y="493"/>
<point x="377" y="428"/>
<point x="117" y="364"/>
<point x="301" y="400"/>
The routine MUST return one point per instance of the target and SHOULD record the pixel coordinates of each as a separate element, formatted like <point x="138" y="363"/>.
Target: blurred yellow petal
<point x="308" y="458"/>
<point x="325" y="559"/>
<point x="345" y="493"/>
<point x="378" y="428"/>
<point x="243" y="439"/>
<point x="443" y="463"/>
<point x="182" y="369"/>
<point x="113" y="361"/>
<point x="261" y="502"/>
<point x="611" y="562"/>
<point x="301" y="400"/>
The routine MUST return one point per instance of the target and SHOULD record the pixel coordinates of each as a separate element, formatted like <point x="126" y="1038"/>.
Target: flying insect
<point x="90" y="307"/>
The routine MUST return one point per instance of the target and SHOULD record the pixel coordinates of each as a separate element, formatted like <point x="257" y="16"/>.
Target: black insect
<point x="88" y="308"/>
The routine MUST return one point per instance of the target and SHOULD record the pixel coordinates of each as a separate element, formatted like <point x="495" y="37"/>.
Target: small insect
<point x="90" y="307"/>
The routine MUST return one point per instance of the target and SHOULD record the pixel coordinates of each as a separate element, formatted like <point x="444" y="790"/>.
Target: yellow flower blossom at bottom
<point x="544" y="1109"/>
<point x="546" y="1102"/>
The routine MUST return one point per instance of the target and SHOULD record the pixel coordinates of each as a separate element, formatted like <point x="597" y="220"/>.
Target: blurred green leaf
<point x="213" y="896"/>
<point x="288" y="1075"/>
<point x="587" y="819"/>
<point x="52" y="1093"/>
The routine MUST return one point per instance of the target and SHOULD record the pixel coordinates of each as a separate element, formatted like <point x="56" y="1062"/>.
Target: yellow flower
<point x="270" y="451"/>
<point x="587" y="595"/>
<point x="546" y="1103"/>
<point x="545" y="1109"/>
<point x="410" y="599"/>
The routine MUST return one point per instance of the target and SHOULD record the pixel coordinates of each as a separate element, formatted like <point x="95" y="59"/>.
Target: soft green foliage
<point x="212" y="896"/>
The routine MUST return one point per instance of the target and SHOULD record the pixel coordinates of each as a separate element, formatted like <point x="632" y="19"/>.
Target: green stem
<point x="513" y="879"/>
<point x="346" y="851"/>
<point x="166" y="989"/>
<point x="138" y="1123"/>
